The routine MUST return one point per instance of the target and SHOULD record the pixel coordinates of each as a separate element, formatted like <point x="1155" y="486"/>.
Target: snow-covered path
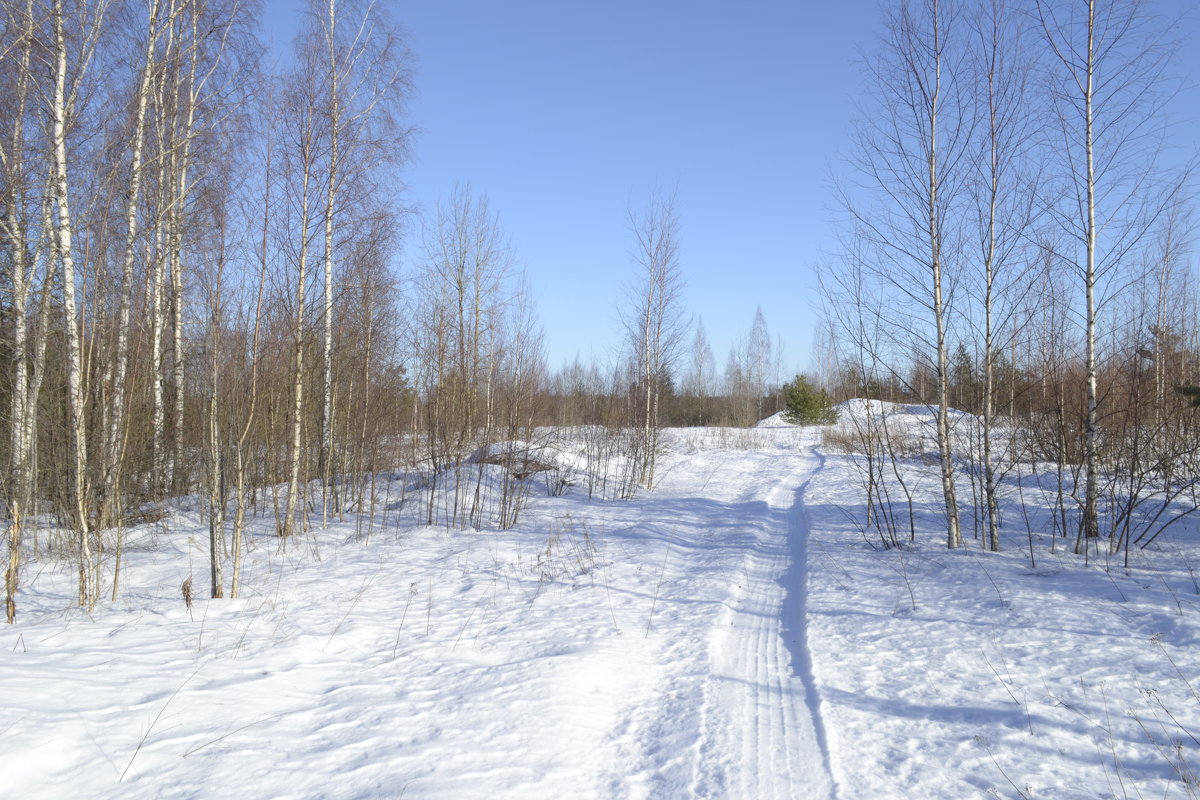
<point x="736" y="633"/>
<point x="762" y="734"/>
<point x="738" y="705"/>
<point x="645" y="649"/>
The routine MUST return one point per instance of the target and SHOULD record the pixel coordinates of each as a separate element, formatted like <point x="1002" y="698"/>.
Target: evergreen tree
<point x="807" y="404"/>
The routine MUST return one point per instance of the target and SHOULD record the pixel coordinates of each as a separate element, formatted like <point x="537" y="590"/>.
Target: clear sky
<point x="566" y="112"/>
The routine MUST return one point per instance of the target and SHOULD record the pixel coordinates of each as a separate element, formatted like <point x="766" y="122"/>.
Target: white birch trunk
<point x="114" y="444"/>
<point x="235" y="580"/>
<point x="945" y="452"/>
<point x="63" y="244"/>
<point x="326" y="454"/>
<point x="1091" y="526"/>
<point x="158" y="414"/>
<point x="158" y="307"/>
<point x="297" y="454"/>
<point x="177" y="468"/>
<point x="175" y="234"/>
<point x="21" y="412"/>
<point x="216" y="478"/>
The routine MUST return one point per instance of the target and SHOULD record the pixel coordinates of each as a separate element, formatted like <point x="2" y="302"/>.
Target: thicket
<point x="1017" y="247"/>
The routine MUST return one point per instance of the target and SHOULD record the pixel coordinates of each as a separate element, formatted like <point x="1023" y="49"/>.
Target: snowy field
<point x="732" y="634"/>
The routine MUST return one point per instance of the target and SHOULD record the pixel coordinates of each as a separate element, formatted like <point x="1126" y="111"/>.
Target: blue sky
<point x="564" y="113"/>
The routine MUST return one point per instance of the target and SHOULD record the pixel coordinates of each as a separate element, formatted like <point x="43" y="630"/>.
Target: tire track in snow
<point x="761" y="734"/>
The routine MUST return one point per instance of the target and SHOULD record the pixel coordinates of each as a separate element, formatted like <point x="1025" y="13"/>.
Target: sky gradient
<point x="565" y="114"/>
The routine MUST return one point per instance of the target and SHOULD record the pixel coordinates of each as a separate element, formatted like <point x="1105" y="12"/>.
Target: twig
<point x="1175" y="597"/>
<point x="353" y="603"/>
<point x="200" y="747"/>
<point x="412" y="592"/>
<point x="1153" y="694"/>
<point x="157" y="716"/>
<point x="1004" y="683"/>
<point x="1112" y="746"/>
<point x="657" y="588"/>
<point x="1023" y="795"/>
<point x="995" y="585"/>
<point x="1156" y="639"/>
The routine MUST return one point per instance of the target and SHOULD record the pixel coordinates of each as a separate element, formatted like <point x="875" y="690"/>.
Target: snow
<point x="733" y="633"/>
<point x="776" y="420"/>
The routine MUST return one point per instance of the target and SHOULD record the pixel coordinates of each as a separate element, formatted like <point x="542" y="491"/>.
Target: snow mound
<point x="776" y="420"/>
<point x="912" y="425"/>
<point x="859" y="408"/>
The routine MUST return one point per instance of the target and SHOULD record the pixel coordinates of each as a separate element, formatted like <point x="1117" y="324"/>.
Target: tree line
<point x="1016" y="245"/>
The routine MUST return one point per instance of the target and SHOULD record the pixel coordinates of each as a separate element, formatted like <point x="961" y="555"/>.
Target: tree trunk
<point x="114" y="444"/>
<point x="22" y="412"/>
<point x="1091" y="525"/>
<point x="945" y="453"/>
<point x="326" y="450"/>
<point x="63" y="233"/>
<point x="297" y="444"/>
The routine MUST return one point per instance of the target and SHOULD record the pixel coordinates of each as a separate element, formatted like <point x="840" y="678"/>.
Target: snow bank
<point x="776" y="420"/>
<point x="524" y="458"/>
<point x="859" y="408"/>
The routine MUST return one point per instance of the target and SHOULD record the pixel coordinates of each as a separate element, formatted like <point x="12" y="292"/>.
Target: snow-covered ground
<point x="731" y="634"/>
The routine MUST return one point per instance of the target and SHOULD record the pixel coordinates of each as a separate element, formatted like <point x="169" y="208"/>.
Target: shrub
<point x="806" y="404"/>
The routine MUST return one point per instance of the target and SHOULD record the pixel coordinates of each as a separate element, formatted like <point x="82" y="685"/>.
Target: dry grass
<point x="880" y="439"/>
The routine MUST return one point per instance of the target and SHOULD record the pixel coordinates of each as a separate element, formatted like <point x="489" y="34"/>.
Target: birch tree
<point x="359" y="69"/>
<point x="654" y="321"/>
<point x="158" y="17"/>
<point x="909" y="154"/>
<point x="1004" y="197"/>
<point x="302" y="159"/>
<point x="262" y="253"/>
<point x="462" y="291"/>
<point x="67" y="71"/>
<point x="698" y="384"/>
<point x="18" y="231"/>
<point x="1107" y="92"/>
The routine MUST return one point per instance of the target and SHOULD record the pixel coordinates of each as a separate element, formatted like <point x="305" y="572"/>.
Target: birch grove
<point x="1001" y="234"/>
<point x="202" y="308"/>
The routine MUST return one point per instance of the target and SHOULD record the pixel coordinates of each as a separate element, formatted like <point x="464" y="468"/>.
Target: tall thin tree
<point x="1107" y="93"/>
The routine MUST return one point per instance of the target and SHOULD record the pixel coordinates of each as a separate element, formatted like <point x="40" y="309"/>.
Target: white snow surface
<point x="732" y="634"/>
<point x="776" y="420"/>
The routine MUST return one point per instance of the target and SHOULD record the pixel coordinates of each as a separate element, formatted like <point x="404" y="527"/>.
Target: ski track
<point x="660" y="648"/>
<point x="381" y="672"/>
<point x="758" y="732"/>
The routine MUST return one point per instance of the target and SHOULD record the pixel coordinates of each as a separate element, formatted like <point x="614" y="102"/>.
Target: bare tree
<point x="242" y="447"/>
<point x="1107" y="95"/>
<point x="18" y="229"/>
<point x="759" y="361"/>
<point x="858" y="315"/>
<point x="69" y="67"/>
<point x="462" y="292"/>
<point x="360" y="66"/>
<point x="909" y="153"/>
<point x="699" y="380"/>
<point x="654" y="321"/>
<point x="302" y="156"/>
<point x="1004" y="197"/>
<point x="158" y="19"/>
